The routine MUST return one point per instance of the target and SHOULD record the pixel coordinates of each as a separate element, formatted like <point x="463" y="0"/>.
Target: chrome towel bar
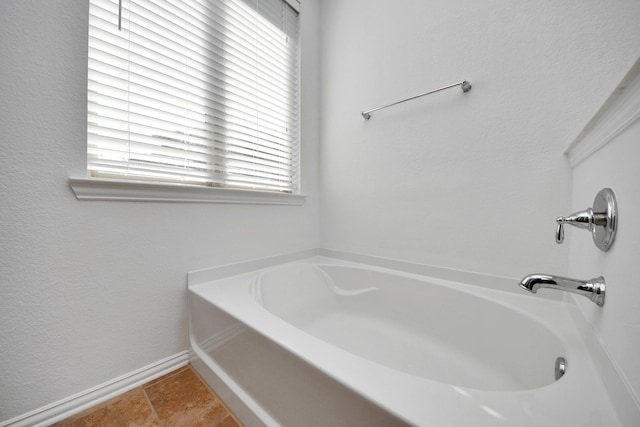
<point x="465" y="85"/>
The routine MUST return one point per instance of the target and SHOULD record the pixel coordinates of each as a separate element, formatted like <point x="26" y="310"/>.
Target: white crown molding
<point x="77" y="403"/>
<point x="619" y="111"/>
<point x="139" y="191"/>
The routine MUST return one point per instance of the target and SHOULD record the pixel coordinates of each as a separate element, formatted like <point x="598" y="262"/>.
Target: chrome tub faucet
<point x="594" y="289"/>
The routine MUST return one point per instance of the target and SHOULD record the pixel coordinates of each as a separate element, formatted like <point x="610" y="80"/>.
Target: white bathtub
<point x="326" y="342"/>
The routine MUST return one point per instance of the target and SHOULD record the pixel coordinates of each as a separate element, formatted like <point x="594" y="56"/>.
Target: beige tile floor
<point x="178" y="399"/>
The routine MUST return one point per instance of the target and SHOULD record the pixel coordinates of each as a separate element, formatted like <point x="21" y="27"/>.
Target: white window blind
<point x="194" y="91"/>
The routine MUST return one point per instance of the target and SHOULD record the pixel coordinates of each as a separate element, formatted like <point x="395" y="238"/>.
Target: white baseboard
<point x="76" y="403"/>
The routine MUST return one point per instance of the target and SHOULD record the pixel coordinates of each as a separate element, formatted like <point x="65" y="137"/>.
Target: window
<point x="201" y="92"/>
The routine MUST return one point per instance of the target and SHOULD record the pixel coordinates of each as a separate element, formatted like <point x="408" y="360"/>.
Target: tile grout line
<point x="157" y="381"/>
<point x="229" y="412"/>
<point x="165" y="376"/>
<point x="153" y="409"/>
<point x="210" y="391"/>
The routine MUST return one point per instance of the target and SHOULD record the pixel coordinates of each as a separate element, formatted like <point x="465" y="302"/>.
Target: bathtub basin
<point x="413" y="326"/>
<point x="324" y="342"/>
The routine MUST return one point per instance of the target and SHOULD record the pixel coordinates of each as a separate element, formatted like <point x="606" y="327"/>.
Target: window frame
<point x="90" y="188"/>
<point x="103" y="189"/>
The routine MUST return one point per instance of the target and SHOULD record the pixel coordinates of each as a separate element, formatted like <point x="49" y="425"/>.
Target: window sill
<point x="137" y="191"/>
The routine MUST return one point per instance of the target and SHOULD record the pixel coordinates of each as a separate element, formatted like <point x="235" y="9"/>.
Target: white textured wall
<point x="90" y="291"/>
<point x="470" y="181"/>
<point x="618" y="322"/>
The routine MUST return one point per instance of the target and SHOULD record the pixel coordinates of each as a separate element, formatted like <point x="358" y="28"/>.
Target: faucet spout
<point x="594" y="289"/>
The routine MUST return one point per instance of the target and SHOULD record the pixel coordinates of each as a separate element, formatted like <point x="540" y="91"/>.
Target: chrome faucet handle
<point x="559" y="230"/>
<point x="601" y="220"/>
<point x="583" y="219"/>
